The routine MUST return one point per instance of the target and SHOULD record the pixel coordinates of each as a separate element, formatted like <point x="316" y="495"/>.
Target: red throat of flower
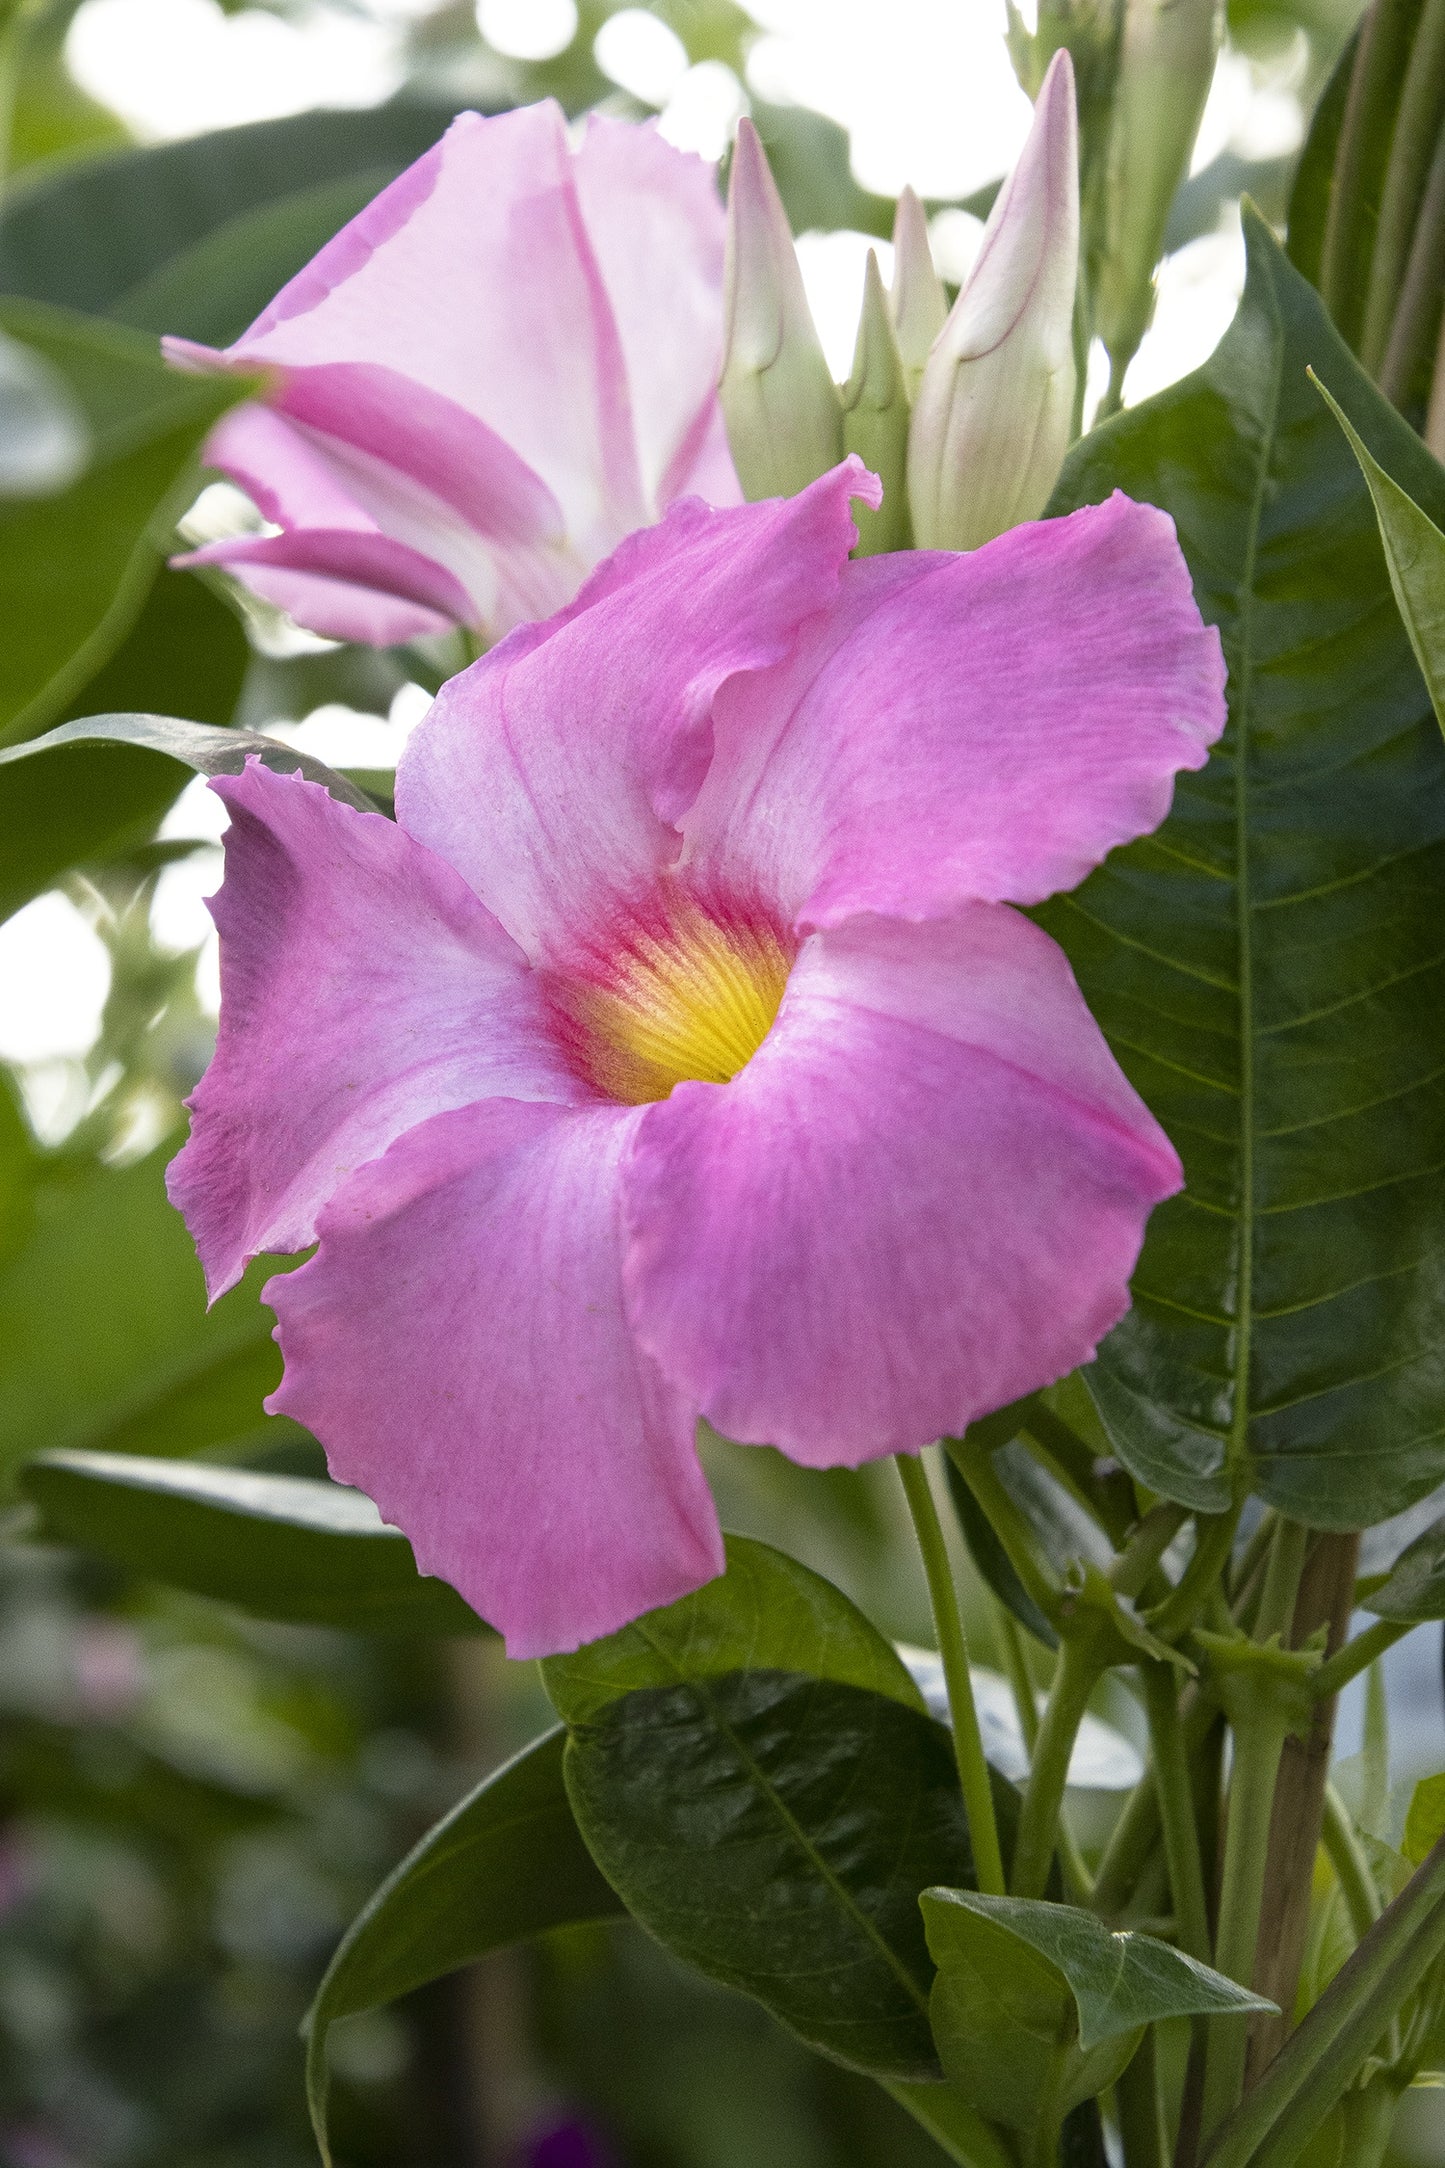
<point x="679" y="990"/>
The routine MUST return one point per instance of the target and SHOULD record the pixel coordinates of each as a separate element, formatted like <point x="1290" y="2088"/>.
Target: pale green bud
<point x="779" y="401"/>
<point x="1166" y="68"/>
<point x="920" y="304"/>
<point x="994" y="412"/>
<point x="875" y="420"/>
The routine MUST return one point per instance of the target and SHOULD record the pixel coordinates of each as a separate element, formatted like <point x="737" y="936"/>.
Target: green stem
<point x="1364" y="140"/>
<point x="1281" y="1581"/>
<point x="1421" y="97"/>
<point x="1141" y="2127"/>
<point x="1176" y="1811"/>
<point x="1150" y="1540"/>
<point x="1319" y="2061"/>
<point x="1357" y="1656"/>
<point x="1417" y="318"/>
<point x="956" y="2128"/>
<point x="973" y="1773"/>
<point x="1213" y="1542"/>
<point x="1258" y="1745"/>
<point x="1352" y="1871"/>
<point x="1016" y="1664"/>
<point x="975" y="1465"/>
<point x="1075" y="1678"/>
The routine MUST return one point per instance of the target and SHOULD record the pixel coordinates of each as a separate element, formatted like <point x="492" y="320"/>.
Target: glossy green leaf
<point x="1037" y="2002"/>
<point x="76" y="567"/>
<point x="1415" y="554"/>
<point x="1269" y="966"/>
<point x="1414" y="1588"/>
<point x="199" y="745"/>
<point x="186" y="654"/>
<point x="505" y="1865"/>
<point x="152" y="1371"/>
<point x="753" y="1771"/>
<point x="95" y="236"/>
<point x="279" y="1546"/>
<point x="766" y="1613"/>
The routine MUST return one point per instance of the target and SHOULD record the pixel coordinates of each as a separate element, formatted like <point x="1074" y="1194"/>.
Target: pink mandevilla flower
<point x="505" y="364"/>
<point x="677" y="1051"/>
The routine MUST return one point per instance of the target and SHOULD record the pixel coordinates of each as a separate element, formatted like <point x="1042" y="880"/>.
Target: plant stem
<point x="1352" y="1872"/>
<point x="1358" y="1655"/>
<point x="1141" y="2126"/>
<point x="1016" y="1664"/>
<point x="1213" y="1542"/>
<point x="1074" y="1680"/>
<point x="1176" y="1811"/>
<point x="975" y="1465"/>
<point x="973" y="1773"/>
<point x="1364" y="144"/>
<point x="1421" y="95"/>
<point x="1318" y="2062"/>
<point x="1150" y="1540"/>
<point x="1281" y="1581"/>
<point x="956" y="2128"/>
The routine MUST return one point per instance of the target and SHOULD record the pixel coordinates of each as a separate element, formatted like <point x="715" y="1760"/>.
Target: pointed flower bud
<point x="875" y="420"/>
<point x="778" y="396"/>
<point x="1166" y="68"/>
<point x="919" y="301"/>
<point x="992" y="419"/>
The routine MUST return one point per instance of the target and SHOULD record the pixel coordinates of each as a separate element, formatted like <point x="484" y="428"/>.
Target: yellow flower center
<point x="681" y="995"/>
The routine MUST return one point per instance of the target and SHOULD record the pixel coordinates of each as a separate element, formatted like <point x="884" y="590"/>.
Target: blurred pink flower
<point x="677" y="1051"/>
<point x="507" y="362"/>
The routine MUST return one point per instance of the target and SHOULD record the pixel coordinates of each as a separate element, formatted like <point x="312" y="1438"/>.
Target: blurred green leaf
<point x="772" y="1828"/>
<point x="89" y="235"/>
<point x="1425" y="1819"/>
<point x="278" y="1546"/>
<point x="503" y="1866"/>
<point x="76" y="567"/>
<point x="186" y="654"/>
<point x="1269" y="965"/>
<point x="199" y="745"/>
<point x="1314" y="177"/>
<point x="105" y="1339"/>
<point x="1414" y="1588"/>
<point x="1039" y="2004"/>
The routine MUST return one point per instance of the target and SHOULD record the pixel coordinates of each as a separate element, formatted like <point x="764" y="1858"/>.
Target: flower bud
<point x="1165" y="71"/>
<point x="919" y="301"/>
<point x="993" y="415"/>
<point x="875" y="420"/>
<point x="778" y="397"/>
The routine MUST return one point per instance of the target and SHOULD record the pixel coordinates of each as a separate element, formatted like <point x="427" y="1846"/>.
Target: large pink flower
<point x="505" y="364"/>
<point x="678" y="1052"/>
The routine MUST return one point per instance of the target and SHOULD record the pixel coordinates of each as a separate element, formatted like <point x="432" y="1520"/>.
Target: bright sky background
<point x="924" y="88"/>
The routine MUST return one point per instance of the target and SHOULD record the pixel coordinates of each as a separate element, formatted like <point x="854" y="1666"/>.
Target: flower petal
<point x="922" y="1198"/>
<point x="552" y="772"/>
<point x="459" y="1346"/>
<point x="525" y="340"/>
<point x="342" y="584"/>
<point x="363" y="988"/>
<point x="981" y="726"/>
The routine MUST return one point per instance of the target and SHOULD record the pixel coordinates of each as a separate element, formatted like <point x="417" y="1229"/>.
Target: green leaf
<point x="95" y="236"/>
<point x="1415" y="554"/>
<point x="152" y="1371"/>
<point x="186" y="653"/>
<point x="1314" y="177"/>
<point x="505" y="1865"/>
<point x="279" y="1546"/>
<point x="1425" y="1820"/>
<point x="766" y="1613"/>
<point x="1269" y="966"/>
<point x="1414" y="1588"/>
<point x="1037" y="2002"/>
<point x="76" y="567"/>
<point x="771" y="1827"/>
<point x="200" y="746"/>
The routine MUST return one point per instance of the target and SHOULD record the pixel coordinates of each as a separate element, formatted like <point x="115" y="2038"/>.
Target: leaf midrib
<point x="1244" y="931"/>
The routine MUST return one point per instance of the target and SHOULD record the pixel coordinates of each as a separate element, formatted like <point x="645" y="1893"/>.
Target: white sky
<point x="924" y="88"/>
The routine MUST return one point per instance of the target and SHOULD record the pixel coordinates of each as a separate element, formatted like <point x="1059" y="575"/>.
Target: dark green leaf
<point x="1269" y="966"/>
<point x="186" y="653"/>
<point x="766" y="1613"/>
<point x="93" y="236"/>
<point x="152" y="1370"/>
<point x="1415" y="554"/>
<point x="199" y="745"/>
<point x="753" y="1771"/>
<point x="76" y="567"/>
<point x="279" y="1546"/>
<point x="1414" y="1588"/>
<point x="503" y="1866"/>
<point x="1041" y="2001"/>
